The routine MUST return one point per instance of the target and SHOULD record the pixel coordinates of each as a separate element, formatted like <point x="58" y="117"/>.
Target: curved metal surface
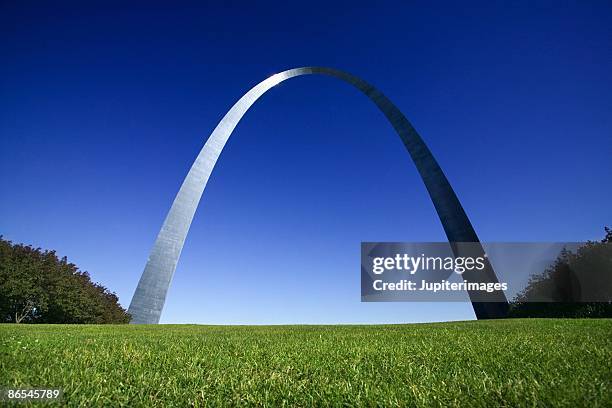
<point x="150" y="294"/>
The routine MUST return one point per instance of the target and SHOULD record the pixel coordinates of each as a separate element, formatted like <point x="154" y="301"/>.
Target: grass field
<point x="486" y="363"/>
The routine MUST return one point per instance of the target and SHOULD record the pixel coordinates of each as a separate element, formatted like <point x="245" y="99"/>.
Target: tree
<point x="608" y="237"/>
<point x="38" y="287"/>
<point x="576" y="285"/>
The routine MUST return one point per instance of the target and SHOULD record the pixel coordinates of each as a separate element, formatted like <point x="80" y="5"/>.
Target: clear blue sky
<point x="105" y="106"/>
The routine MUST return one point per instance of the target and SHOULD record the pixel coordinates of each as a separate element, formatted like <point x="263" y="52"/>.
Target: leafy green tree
<point x="568" y="282"/>
<point x="608" y="237"/>
<point x="38" y="287"/>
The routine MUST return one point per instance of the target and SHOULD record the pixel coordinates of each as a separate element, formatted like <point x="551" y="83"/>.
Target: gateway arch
<point x="150" y="295"/>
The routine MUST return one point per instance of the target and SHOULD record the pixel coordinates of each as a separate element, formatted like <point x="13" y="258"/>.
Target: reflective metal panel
<point x="150" y="295"/>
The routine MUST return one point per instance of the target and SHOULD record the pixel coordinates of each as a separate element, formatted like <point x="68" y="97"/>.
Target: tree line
<point x="565" y="282"/>
<point x="38" y="287"/>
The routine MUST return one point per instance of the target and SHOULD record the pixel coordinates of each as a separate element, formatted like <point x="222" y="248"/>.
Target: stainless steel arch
<point x="150" y="294"/>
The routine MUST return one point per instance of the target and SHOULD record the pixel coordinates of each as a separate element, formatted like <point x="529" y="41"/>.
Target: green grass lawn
<point x="488" y="363"/>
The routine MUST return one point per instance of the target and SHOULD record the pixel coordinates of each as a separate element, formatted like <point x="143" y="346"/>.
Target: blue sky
<point x="105" y="106"/>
